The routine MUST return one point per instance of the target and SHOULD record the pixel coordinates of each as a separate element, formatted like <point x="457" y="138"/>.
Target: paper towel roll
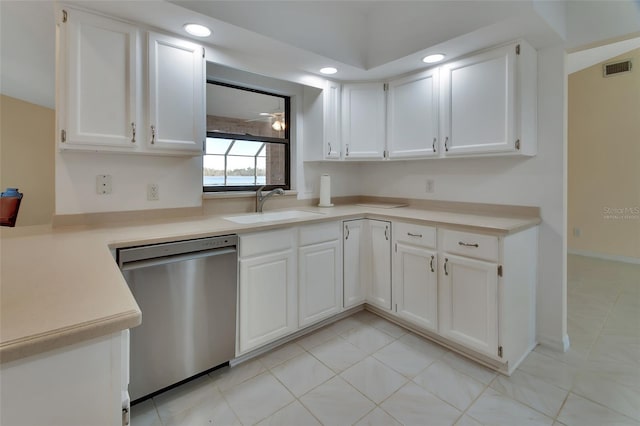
<point x="325" y="191"/>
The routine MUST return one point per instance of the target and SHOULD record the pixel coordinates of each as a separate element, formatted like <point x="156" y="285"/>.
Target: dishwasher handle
<point x="146" y="263"/>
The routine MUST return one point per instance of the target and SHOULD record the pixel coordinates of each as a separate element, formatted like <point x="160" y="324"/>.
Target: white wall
<point x="179" y="180"/>
<point x="27" y="43"/>
<point x="536" y="181"/>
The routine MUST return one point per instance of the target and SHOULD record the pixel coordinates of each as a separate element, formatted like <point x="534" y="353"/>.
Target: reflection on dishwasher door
<point x="187" y="294"/>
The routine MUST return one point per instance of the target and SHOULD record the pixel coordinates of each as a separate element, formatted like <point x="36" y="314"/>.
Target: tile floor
<point x="364" y="370"/>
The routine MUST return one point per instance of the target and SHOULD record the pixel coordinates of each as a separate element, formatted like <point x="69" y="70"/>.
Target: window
<point x="247" y="139"/>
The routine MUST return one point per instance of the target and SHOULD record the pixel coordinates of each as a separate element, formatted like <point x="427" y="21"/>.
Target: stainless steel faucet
<point x="260" y="199"/>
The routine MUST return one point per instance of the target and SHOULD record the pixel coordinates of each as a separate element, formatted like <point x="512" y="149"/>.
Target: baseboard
<point x="555" y="344"/>
<point x="616" y="258"/>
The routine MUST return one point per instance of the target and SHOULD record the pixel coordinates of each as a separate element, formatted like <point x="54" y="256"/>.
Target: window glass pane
<point x="217" y="146"/>
<point x="249" y="148"/>
<point x="213" y="170"/>
<point x="242" y="112"/>
<point x="268" y="168"/>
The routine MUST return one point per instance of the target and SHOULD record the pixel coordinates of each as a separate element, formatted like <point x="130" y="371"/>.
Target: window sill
<point x="239" y="194"/>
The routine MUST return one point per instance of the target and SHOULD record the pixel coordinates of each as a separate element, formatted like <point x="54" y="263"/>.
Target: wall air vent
<point x="616" y="68"/>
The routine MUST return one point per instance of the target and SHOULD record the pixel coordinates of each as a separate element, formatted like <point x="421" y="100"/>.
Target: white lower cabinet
<point x="319" y="272"/>
<point x="367" y="262"/>
<point x="81" y="384"/>
<point x="473" y="292"/>
<point x="356" y="263"/>
<point x="469" y="303"/>
<point x="267" y="288"/>
<point x="415" y="275"/>
<point x="379" y="285"/>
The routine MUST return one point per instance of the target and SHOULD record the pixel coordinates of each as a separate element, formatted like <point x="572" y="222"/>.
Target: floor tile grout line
<point x="524" y="403"/>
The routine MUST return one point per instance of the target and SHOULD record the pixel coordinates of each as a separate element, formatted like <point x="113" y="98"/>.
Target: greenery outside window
<point x="247" y="142"/>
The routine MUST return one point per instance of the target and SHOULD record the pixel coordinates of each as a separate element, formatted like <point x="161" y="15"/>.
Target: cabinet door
<point x="479" y="103"/>
<point x="98" y="82"/>
<point x="416" y="284"/>
<point x="267" y="299"/>
<point x="176" y="94"/>
<point x="355" y="261"/>
<point x="363" y="120"/>
<point x="379" y="290"/>
<point x="412" y="116"/>
<point x="331" y="98"/>
<point x="469" y="303"/>
<point x="319" y="281"/>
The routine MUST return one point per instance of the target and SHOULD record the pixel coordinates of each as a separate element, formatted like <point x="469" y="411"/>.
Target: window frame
<point x="286" y="141"/>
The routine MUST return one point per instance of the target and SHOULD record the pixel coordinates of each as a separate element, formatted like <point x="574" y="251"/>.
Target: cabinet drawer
<point x="266" y="242"/>
<point x="419" y="235"/>
<point x="469" y="244"/>
<point x="319" y="233"/>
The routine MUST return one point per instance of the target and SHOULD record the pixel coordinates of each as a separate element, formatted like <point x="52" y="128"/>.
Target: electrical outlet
<point x="103" y="184"/>
<point x="153" y="192"/>
<point x="577" y="232"/>
<point x="430" y="186"/>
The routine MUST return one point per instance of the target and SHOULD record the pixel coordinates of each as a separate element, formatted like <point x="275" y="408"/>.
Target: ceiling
<point x="365" y="40"/>
<point x="363" y="34"/>
<point x="292" y="40"/>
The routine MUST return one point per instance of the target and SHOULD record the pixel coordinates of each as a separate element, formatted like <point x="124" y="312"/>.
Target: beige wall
<point x="27" y="157"/>
<point x="604" y="160"/>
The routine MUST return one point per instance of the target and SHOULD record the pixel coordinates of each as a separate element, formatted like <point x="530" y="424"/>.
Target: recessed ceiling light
<point x="437" y="57"/>
<point x="328" y="70"/>
<point x="197" y="30"/>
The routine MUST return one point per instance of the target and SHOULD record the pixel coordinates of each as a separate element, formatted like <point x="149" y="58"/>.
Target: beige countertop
<point x="61" y="286"/>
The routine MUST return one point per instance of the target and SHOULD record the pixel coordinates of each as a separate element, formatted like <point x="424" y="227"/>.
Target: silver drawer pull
<point x="414" y="235"/>
<point x="476" y="245"/>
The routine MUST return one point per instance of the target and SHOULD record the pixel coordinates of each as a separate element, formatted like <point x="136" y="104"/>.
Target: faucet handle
<point x="259" y="190"/>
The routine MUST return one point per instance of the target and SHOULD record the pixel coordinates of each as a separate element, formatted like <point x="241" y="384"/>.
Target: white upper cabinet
<point x="176" y="94"/>
<point x="108" y="83"/>
<point x="97" y="83"/>
<point x="488" y="102"/>
<point x="331" y="98"/>
<point x="412" y="116"/>
<point x="363" y="121"/>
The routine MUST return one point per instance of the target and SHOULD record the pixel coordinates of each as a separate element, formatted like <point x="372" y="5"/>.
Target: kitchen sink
<point x="271" y="216"/>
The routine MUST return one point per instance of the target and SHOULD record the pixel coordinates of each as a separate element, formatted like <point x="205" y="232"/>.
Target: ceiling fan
<point x="275" y="118"/>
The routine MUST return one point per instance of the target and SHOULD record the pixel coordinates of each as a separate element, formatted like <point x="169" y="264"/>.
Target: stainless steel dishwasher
<point x="187" y="292"/>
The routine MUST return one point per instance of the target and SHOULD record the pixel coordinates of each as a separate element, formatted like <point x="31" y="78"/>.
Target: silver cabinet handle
<point x="347" y="150"/>
<point x="431" y="264"/>
<point x="446" y="260"/>
<point x="433" y="146"/>
<point x="476" y="245"/>
<point x="386" y="232"/>
<point x="153" y="134"/>
<point x="414" y="235"/>
<point x="446" y="146"/>
<point x="329" y="148"/>
<point x="346" y="227"/>
<point x="133" y="132"/>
